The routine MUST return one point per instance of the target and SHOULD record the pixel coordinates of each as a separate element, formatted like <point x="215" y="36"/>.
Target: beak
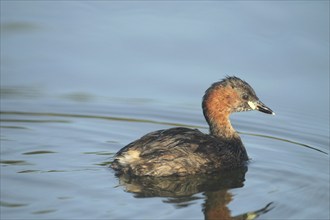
<point x="258" y="105"/>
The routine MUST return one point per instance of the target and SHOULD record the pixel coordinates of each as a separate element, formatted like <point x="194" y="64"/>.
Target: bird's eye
<point x="245" y="97"/>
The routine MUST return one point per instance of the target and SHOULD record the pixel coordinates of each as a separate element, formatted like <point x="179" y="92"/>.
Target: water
<point x="80" y="80"/>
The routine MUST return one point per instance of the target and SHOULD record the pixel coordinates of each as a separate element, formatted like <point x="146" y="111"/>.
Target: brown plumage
<point x="183" y="151"/>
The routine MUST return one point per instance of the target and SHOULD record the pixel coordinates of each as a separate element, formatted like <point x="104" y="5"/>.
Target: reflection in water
<point x="216" y="203"/>
<point x="181" y="191"/>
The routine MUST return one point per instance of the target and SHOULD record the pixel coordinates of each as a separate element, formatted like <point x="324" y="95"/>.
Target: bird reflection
<point x="182" y="191"/>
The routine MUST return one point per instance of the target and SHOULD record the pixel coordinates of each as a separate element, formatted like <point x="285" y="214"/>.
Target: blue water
<point x="81" y="79"/>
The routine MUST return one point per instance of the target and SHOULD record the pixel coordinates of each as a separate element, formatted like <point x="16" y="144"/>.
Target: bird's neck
<point x="217" y="107"/>
<point x="221" y="127"/>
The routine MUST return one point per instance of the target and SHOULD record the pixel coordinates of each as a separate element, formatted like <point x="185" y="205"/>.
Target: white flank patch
<point x="129" y="157"/>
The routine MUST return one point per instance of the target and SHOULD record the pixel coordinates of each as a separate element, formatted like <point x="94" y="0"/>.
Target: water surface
<point x="80" y="80"/>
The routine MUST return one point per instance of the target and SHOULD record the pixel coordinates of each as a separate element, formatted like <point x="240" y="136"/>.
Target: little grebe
<point x="183" y="151"/>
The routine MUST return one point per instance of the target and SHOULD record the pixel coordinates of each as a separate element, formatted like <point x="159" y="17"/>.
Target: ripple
<point x="46" y="211"/>
<point x="136" y="120"/>
<point x="19" y="26"/>
<point x="15" y="162"/>
<point x="34" y="121"/>
<point x="19" y="92"/>
<point x="12" y="205"/>
<point x="101" y="153"/>
<point x="79" y="97"/>
<point x="13" y="127"/>
<point x="81" y="116"/>
<point x="39" y="152"/>
<point x="285" y="140"/>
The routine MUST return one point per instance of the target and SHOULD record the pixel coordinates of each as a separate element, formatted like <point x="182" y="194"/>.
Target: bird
<point x="182" y="151"/>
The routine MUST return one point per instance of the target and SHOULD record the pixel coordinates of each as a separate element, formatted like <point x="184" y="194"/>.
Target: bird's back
<point x="178" y="151"/>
